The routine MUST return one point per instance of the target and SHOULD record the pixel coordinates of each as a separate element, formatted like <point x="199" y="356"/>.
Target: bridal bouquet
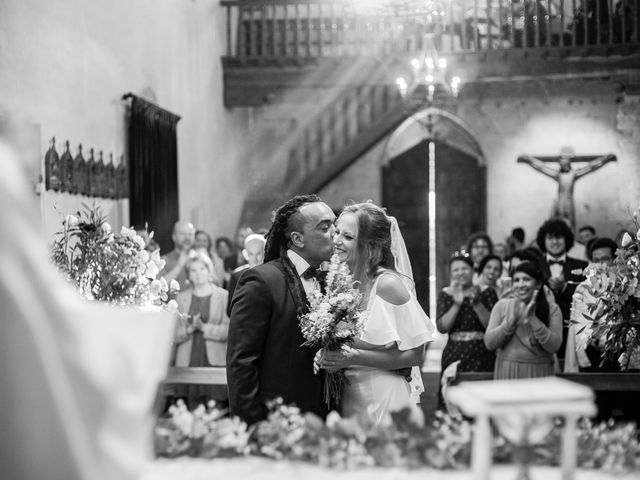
<point x="334" y="320"/>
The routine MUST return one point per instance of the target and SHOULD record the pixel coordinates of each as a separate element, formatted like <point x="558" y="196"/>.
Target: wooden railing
<point x="277" y="29"/>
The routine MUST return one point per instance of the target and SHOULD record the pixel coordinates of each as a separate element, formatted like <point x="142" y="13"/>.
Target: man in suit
<point x="265" y="358"/>
<point x="562" y="272"/>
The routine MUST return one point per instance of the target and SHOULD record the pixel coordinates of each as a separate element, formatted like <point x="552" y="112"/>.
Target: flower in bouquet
<point x="334" y="319"/>
<point x="108" y="266"/>
<point x="615" y="313"/>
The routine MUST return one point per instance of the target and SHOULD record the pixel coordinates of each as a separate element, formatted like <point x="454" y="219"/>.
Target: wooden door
<point x="460" y="206"/>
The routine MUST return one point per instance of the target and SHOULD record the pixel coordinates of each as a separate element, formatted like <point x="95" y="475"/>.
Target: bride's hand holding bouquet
<point x="332" y="324"/>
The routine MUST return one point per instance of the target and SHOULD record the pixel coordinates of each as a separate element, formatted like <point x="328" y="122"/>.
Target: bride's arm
<point x="386" y="357"/>
<point x="389" y="359"/>
<point x="363" y="345"/>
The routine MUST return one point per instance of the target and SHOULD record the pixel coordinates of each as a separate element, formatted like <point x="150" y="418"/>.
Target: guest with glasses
<point x="588" y="349"/>
<point x="478" y="247"/>
<point x="490" y="271"/>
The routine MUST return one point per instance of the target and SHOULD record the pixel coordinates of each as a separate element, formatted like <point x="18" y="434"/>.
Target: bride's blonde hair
<point x="373" y="242"/>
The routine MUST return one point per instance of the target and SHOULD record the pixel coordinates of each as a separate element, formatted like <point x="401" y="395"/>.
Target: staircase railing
<point x="278" y="29"/>
<point x="339" y="128"/>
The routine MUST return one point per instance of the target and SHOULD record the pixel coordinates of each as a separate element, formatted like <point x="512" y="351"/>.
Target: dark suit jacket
<point x="233" y="282"/>
<point x="565" y="297"/>
<point x="265" y="358"/>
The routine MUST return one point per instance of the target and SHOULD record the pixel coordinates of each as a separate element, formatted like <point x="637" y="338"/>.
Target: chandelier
<point x="428" y="72"/>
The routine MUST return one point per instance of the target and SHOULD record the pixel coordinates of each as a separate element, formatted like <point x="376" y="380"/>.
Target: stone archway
<point x="460" y="197"/>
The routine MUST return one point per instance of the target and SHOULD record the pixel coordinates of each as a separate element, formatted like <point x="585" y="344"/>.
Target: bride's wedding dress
<point x="375" y="392"/>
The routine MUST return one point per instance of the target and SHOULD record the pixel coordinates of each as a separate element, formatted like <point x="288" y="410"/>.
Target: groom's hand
<point x="317" y="360"/>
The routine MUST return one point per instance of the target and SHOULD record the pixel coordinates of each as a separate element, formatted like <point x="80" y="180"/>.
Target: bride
<point x="396" y="329"/>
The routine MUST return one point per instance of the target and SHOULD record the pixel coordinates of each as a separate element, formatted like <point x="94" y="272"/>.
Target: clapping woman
<point x="526" y="330"/>
<point x="201" y="333"/>
<point x="463" y="312"/>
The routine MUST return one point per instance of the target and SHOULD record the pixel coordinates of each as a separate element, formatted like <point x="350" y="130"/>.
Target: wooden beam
<point x="254" y="85"/>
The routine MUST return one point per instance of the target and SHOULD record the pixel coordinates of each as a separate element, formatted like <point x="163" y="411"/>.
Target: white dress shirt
<point x="556" y="269"/>
<point x="309" y="284"/>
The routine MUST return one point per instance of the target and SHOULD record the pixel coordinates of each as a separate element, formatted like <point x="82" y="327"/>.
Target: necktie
<point x="556" y="262"/>
<point x="311" y="272"/>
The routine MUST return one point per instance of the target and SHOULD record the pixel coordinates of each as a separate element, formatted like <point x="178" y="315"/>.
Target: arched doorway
<point x="433" y="182"/>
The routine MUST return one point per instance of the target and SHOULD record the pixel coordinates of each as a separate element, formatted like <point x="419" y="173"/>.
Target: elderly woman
<point x="463" y="312"/>
<point x="201" y="333"/>
<point x="526" y="330"/>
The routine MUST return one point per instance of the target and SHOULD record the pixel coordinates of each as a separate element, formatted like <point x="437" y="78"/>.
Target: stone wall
<point x="65" y="64"/>
<point x="538" y="119"/>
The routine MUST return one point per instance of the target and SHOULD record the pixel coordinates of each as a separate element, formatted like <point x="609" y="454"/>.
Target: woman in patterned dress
<point x="463" y="312"/>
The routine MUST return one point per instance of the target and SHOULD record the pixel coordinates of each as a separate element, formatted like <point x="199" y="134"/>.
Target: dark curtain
<point x="153" y="169"/>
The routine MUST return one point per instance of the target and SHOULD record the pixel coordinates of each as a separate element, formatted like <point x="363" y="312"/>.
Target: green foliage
<point x="616" y="310"/>
<point x="106" y="266"/>
<point x="350" y="443"/>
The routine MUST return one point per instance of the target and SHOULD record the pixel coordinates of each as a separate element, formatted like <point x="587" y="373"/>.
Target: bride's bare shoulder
<point x="392" y="289"/>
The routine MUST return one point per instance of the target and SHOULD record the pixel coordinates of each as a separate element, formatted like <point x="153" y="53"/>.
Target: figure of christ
<point x="566" y="177"/>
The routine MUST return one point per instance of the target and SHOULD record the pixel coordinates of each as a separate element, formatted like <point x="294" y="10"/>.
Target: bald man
<point x="183" y="237"/>
<point x="253" y="253"/>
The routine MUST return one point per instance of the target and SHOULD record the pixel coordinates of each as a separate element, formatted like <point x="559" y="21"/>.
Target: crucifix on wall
<point x="566" y="176"/>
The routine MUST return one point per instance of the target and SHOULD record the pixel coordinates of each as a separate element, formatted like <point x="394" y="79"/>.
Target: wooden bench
<point x="598" y="381"/>
<point x="197" y="375"/>
<point x="615" y="381"/>
<point x="190" y="375"/>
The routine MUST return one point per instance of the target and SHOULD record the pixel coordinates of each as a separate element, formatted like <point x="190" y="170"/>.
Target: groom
<point x="265" y="358"/>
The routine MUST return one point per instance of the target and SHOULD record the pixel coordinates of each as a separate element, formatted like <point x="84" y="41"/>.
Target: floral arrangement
<point x="107" y="266"/>
<point x="616" y="311"/>
<point x="350" y="443"/>
<point x="204" y="432"/>
<point x="333" y="320"/>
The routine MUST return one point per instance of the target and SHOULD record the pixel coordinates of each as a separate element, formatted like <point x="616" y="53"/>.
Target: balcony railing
<point x="276" y="29"/>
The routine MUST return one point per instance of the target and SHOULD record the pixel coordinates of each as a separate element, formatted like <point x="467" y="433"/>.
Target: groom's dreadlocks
<point x="277" y="242"/>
